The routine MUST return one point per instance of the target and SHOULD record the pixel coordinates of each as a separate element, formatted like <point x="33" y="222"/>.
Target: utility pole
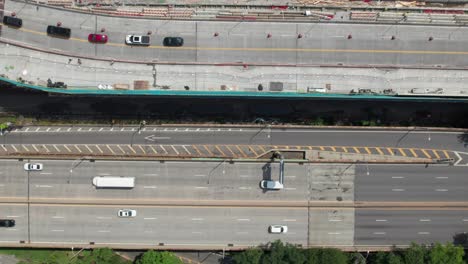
<point x="154" y="75"/>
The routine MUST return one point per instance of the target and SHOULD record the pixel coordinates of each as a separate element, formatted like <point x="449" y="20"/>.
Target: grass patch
<point x="38" y="256"/>
<point x="57" y="256"/>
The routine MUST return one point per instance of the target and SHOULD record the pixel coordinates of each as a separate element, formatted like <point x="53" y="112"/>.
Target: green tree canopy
<point x="415" y="254"/>
<point x="280" y="253"/>
<point x="249" y="256"/>
<point x="444" y="254"/>
<point x="101" y="256"/>
<point x="158" y="257"/>
<point x="325" y="255"/>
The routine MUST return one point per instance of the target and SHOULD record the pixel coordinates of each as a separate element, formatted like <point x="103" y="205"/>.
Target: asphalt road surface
<point x="247" y="42"/>
<point x="433" y="183"/>
<point x="401" y="227"/>
<point x="263" y="135"/>
<point x="67" y="180"/>
<point x="218" y="226"/>
<point x="55" y="224"/>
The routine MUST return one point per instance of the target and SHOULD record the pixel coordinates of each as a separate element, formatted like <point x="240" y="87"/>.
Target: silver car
<point x="271" y="185"/>
<point x="278" y="229"/>
<point x="33" y="166"/>
<point x="127" y="213"/>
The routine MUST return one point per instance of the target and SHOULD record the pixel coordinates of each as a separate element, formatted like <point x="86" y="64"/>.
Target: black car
<point x="173" y="41"/>
<point x="12" y="21"/>
<point x="58" y="31"/>
<point x="7" y="223"/>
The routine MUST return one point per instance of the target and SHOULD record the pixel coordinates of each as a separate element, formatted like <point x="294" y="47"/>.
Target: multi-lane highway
<point x="63" y="194"/>
<point x="247" y="42"/>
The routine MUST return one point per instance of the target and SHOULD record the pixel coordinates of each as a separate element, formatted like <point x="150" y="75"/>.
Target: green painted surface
<point x="285" y="95"/>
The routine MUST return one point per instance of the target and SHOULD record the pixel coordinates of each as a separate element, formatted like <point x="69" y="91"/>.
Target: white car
<point x="271" y="185"/>
<point x="33" y="166"/>
<point x="278" y="229"/>
<point x="137" y="40"/>
<point x="127" y="213"/>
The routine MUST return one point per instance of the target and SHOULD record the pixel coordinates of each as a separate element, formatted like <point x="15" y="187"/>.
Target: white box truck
<point x="114" y="182"/>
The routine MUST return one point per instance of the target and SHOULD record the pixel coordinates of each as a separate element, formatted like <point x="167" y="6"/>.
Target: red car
<point x="97" y="38"/>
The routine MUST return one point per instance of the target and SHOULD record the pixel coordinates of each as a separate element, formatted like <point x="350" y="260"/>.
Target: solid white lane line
<point x="381" y="220"/>
<point x="398" y="190"/>
<point x="149" y="218"/>
<point x="57" y="230"/>
<point x="398" y="177"/>
<point x="45" y="173"/>
<point x="423" y="233"/>
<point x="424" y="220"/>
<point x="243" y="219"/>
<point x="150" y="174"/>
<point x="379" y="233"/>
<point x="12" y="216"/>
<point x="199" y="175"/>
<point x="334" y="220"/>
<point x="334" y="233"/>
<point x="442" y="177"/>
<point x="197" y="219"/>
<point x="150" y="187"/>
<point x="441" y="190"/>
<point x="289" y="220"/>
<point x="58" y="217"/>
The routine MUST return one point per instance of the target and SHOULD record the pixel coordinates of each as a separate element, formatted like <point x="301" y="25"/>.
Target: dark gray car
<point x="173" y="41"/>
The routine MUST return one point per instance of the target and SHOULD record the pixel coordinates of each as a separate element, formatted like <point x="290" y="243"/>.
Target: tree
<point x="100" y="256"/>
<point x="283" y="254"/>
<point x="449" y="253"/>
<point x="325" y="255"/>
<point x="386" y="258"/>
<point x="250" y="256"/>
<point x="158" y="257"/>
<point x="415" y="254"/>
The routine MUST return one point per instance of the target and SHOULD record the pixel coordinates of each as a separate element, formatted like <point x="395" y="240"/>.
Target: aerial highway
<point x="196" y="198"/>
<point x="322" y="43"/>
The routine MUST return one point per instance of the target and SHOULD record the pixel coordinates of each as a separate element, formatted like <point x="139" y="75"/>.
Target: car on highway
<point x="271" y="185"/>
<point x="55" y="31"/>
<point x="97" y="38"/>
<point x="33" y="166"/>
<point x="7" y="222"/>
<point x="137" y="40"/>
<point x="12" y="21"/>
<point x="173" y="41"/>
<point x="278" y="229"/>
<point x="127" y="213"/>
